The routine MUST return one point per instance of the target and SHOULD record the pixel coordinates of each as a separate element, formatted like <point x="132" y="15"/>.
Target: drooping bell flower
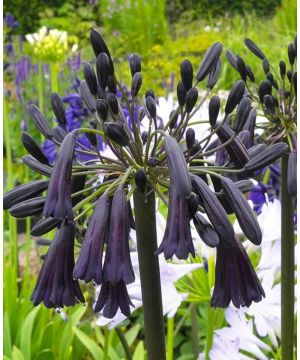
<point x="111" y="298"/>
<point x="55" y="286"/>
<point x="236" y="279"/>
<point x="58" y="201"/>
<point x="177" y="238"/>
<point x="117" y="264"/>
<point x="89" y="263"/>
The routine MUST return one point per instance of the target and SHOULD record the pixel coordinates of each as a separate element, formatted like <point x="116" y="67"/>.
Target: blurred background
<point x="46" y="43"/>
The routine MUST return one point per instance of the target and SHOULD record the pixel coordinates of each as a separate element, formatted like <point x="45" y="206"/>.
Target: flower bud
<point x="153" y="162"/>
<point x="232" y="59"/>
<point x="241" y="68"/>
<point x="40" y="122"/>
<point x="174" y="119"/>
<point x="87" y="97"/>
<point x="291" y="53"/>
<point x="136" y="84"/>
<point x="111" y="85"/>
<point x="190" y="138"/>
<point x="186" y="72"/>
<point x="266" y="65"/>
<point x="92" y="138"/>
<point x="250" y="73"/>
<point x="34" y="148"/>
<point x="289" y="75"/>
<point x="150" y="92"/>
<point x="211" y="56"/>
<point x="44" y="226"/>
<point x="213" y="110"/>
<point x="116" y="132"/>
<point x="135" y="64"/>
<point x="35" y="165"/>
<point x="59" y="133"/>
<point x="90" y="78"/>
<point x="269" y="104"/>
<point x="28" y="207"/>
<point x="181" y="93"/>
<point x="282" y="68"/>
<point x="193" y="203"/>
<point x="141" y="180"/>
<point x="151" y="106"/>
<point x="102" y="108"/>
<point x="235" y="96"/>
<point x="103" y="69"/>
<point x="58" y="109"/>
<point x="99" y="46"/>
<point x="254" y="49"/>
<point x="206" y="232"/>
<point x="113" y="103"/>
<point x="242" y="114"/>
<point x="265" y="88"/>
<point x="214" y="74"/>
<point x="295" y="82"/>
<point x="144" y="137"/>
<point x="256" y="150"/>
<point x="191" y="99"/>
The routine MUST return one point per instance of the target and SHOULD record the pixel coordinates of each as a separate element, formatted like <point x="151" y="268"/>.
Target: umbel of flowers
<point x="149" y="160"/>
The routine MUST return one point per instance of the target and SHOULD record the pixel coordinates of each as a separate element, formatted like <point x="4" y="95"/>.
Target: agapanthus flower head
<point x="55" y="286"/>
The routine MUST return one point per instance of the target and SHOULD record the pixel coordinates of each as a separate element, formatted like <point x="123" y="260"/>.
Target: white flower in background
<point x="51" y="45"/>
<point x="242" y="329"/>
<point x="267" y="313"/>
<point x="226" y="350"/>
<point x="270" y="221"/>
<point x="270" y="260"/>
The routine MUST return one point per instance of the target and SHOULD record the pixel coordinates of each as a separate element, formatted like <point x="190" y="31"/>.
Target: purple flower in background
<point x="10" y="21"/>
<point x="75" y="62"/>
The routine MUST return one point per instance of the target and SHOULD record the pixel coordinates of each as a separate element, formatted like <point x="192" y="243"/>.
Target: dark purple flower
<point x="89" y="263"/>
<point x="117" y="264"/>
<point x="236" y="279"/>
<point x="177" y="238"/>
<point x="58" y="202"/>
<point x="111" y="298"/>
<point x="55" y="286"/>
<point x="10" y="21"/>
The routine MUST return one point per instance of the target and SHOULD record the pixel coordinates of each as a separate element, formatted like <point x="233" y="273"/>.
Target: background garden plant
<point x="198" y="293"/>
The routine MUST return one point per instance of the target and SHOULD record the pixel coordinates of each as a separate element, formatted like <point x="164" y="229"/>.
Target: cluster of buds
<point x="51" y="45"/>
<point x="166" y="159"/>
<point x="276" y="97"/>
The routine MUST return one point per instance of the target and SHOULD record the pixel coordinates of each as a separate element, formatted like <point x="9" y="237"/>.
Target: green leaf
<point x="46" y="354"/>
<point x="25" y="341"/>
<point x="139" y="353"/>
<point x="132" y="334"/>
<point x="6" y="336"/>
<point x="17" y="354"/>
<point x="89" y="343"/>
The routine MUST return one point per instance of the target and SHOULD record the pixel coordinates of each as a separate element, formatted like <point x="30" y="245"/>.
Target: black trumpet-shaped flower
<point x="292" y="174"/>
<point x="39" y="121"/>
<point x="55" y="286"/>
<point x="58" y="202"/>
<point x="236" y="279"/>
<point x="213" y="110"/>
<point x="24" y="192"/>
<point x="206" y="232"/>
<point x="186" y="72"/>
<point x="89" y="263"/>
<point x="90" y="78"/>
<point x="34" y="148"/>
<point x="177" y="238"/>
<point x="117" y="133"/>
<point x="117" y="264"/>
<point x="213" y="208"/>
<point x="35" y="165"/>
<point x="211" y="56"/>
<point x="266" y="157"/>
<point x="58" y="109"/>
<point x="254" y="49"/>
<point x="235" y="96"/>
<point x="243" y="211"/>
<point x="177" y="166"/>
<point x="111" y="298"/>
<point x="28" y="207"/>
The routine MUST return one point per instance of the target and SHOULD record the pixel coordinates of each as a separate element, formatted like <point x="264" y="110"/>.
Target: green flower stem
<point x="13" y="238"/>
<point x="145" y="221"/>
<point x="170" y="338"/>
<point x="107" y="337"/>
<point x="28" y="235"/>
<point x="287" y="266"/>
<point x="210" y="331"/>
<point x="54" y="70"/>
<point x="195" y="337"/>
<point x="41" y="90"/>
<point x="124" y="343"/>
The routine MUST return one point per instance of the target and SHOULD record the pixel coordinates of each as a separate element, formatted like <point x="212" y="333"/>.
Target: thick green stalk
<point x="287" y="266"/>
<point x="41" y="90"/>
<point x="28" y="236"/>
<point x="195" y="338"/>
<point x="124" y="343"/>
<point x="54" y="68"/>
<point x="145" y="222"/>
<point x="13" y="239"/>
<point x="210" y="331"/>
<point x="170" y="338"/>
<point x="107" y="336"/>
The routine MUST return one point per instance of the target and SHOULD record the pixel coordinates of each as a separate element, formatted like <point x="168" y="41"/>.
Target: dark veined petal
<point x="242" y="114"/>
<point x="103" y="69"/>
<point x="35" y="165"/>
<point x="87" y="97"/>
<point x="90" y="78"/>
<point x="28" y="207"/>
<point x="44" y="226"/>
<point x="100" y="46"/>
<point x="177" y="167"/>
<point x="235" y="96"/>
<point x="58" y="109"/>
<point x="214" y="74"/>
<point x="40" y="121"/>
<point x="243" y="211"/>
<point x="24" y="192"/>
<point x="236" y="279"/>
<point x="232" y="59"/>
